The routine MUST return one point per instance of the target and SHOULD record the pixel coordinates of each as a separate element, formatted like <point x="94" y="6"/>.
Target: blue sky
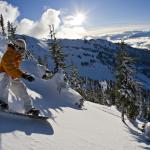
<point x="98" y="13"/>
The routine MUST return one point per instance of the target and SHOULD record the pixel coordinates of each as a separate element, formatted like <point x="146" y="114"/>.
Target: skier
<point x="10" y="63"/>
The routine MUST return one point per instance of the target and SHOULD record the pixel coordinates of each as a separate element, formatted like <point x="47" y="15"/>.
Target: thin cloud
<point x="71" y="33"/>
<point x="117" y="29"/>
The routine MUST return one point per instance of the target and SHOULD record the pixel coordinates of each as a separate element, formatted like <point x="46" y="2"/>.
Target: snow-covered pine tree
<point x="76" y="83"/>
<point x="98" y="93"/>
<point x="89" y="91"/>
<point x="110" y="93"/>
<point x="56" y="51"/>
<point x="2" y="25"/>
<point x="74" y="77"/>
<point x="127" y="88"/>
<point x="104" y="86"/>
<point x="12" y="32"/>
<point x="9" y="29"/>
<point x="145" y="105"/>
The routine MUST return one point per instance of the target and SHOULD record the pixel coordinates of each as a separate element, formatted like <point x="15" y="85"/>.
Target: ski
<point x="40" y="117"/>
<point x="2" y="104"/>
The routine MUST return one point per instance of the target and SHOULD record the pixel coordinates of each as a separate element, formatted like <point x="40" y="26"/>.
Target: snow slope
<point x="95" y="127"/>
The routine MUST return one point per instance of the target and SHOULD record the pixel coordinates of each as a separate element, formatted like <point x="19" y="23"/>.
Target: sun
<point x="78" y="19"/>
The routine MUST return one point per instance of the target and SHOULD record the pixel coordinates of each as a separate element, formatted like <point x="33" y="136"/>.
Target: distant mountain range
<point x="138" y="39"/>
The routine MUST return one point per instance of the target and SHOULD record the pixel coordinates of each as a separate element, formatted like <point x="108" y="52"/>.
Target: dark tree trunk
<point x="122" y="114"/>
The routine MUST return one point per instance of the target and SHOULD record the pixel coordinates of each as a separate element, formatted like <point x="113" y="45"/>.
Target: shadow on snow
<point x="11" y="123"/>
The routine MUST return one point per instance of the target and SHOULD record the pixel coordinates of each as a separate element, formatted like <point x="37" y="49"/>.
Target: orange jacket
<point x="10" y="62"/>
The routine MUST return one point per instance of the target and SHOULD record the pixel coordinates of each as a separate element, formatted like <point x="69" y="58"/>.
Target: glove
<point x="28" y="77"/>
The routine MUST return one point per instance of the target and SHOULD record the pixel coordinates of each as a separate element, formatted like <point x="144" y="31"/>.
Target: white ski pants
<point x="19" y="87"/>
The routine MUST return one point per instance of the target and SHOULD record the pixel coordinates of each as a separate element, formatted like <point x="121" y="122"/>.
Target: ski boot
<point x="4" y="105"/>
<point x="33" y="111"/>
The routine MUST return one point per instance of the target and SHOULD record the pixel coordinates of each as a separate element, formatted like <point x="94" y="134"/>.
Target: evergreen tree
<point x="2" y="25"/>
<point x="74" y="77"/>
<point x="77" y="84"/>
<point x="145" y="105"/>
<point x="127" y="89"/>
<point x="12" y="32"/>
<point x="8" y="30"/>
<point x="104" y="86"/>
<point x="56" y="51"/>
<point x="109" y="93"/>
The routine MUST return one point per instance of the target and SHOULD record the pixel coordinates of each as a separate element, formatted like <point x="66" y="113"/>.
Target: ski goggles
<point x="19" y="48"/>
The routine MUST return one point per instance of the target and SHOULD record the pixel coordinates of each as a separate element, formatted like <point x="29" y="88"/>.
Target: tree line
<point x="125" y="92"/>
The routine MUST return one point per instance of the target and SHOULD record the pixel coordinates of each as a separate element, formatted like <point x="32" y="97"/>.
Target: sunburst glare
<point x="78" y="19"/>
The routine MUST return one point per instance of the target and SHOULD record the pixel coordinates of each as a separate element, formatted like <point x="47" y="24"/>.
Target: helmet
<point x="20" y="45"/>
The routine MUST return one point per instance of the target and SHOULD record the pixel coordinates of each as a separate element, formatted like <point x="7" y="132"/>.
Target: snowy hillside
<point x="95" y="127"/>
<point x="77" y="52"/>
<point x="93" y="58"/>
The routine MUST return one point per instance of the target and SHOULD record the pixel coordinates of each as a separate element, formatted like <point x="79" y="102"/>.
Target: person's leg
<point x="4" y="88"/>
<point x="22" y="90"/>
